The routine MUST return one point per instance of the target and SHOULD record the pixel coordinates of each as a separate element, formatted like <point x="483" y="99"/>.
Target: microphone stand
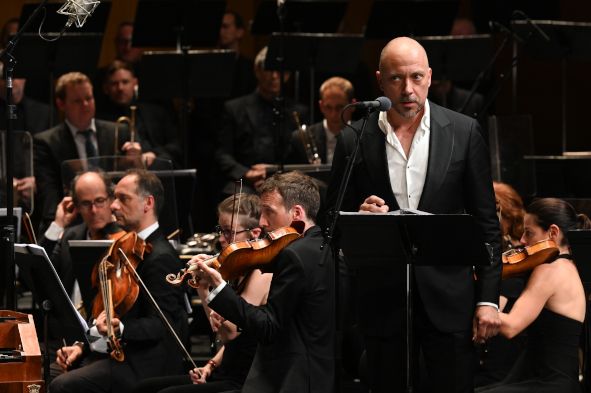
<point x="279" y="101"/>
<point x="328" y="239"/>
<point x="7" y="232"/>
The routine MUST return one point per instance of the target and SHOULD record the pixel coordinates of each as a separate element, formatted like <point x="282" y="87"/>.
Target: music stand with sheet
<point x="85" y="255"/>
<point x="313" y="52"/>
<point x="38" y="273"/>
<point x="399" y="239"/>
<point x="180" y="23"/>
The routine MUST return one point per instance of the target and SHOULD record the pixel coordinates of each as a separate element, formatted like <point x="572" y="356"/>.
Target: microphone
<point x="381" y="104"/>
<point x="77" y="11"/>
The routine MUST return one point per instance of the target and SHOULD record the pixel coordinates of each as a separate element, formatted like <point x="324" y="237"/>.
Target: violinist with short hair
<point x="148" y="348"/>
<point x="551" y="307"/>
<point x="295" y="328"/>
<point x="238" y="221"/>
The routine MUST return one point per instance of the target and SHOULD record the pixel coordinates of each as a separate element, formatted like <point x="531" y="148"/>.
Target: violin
<point x="520" y="260"/>
<point x="118" y="289"/>
<point x="238" y="258"/>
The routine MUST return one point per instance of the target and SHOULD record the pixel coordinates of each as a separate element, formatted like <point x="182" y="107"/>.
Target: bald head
<point x="404" y="77"/>
<point x="404" y="49"/>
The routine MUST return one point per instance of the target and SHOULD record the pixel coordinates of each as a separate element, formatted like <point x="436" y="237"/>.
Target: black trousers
<point x="442" y="363"/>
<point x="183" y="384"/>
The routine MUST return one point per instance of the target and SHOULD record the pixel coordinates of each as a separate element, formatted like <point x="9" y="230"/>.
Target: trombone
<point x="131" y="122"/>
<point x="308" y="141"/>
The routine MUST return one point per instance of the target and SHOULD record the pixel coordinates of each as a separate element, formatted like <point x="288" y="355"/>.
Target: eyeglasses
<point x="228" y="232"/>
<point x="98" y="202"/>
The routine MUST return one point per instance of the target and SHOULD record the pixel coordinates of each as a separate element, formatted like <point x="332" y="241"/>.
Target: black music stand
<point x="394" y="18"/>
<point x="40" y="62"/>
<point x="38" y="273"/>
<point x="580" y="245"/>
<point x="447" y="55"/>
<point x="180" y="23"/>
<point x="194" y="73"/>
<point x="315" y="52"/>
<point x="86" y="254"/>
<point x="557" y="40"/>
<point x="401" y="238"/>
<point x="319" y="16"/>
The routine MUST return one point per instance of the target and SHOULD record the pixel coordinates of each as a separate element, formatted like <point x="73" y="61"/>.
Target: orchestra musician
<point x="497" y="356"/>
<point x="80" y="136"/>
<point x="295" y="327"/>
<point x="154" y="126"/>
<point x="92" y="194"/>
<point x="419" y="155"/>
<point x="335" y="94"/>
<point x="238" y="220"/>
<point x="246" y="141"/>
<point x="551" y="307"/>
<point x="149" y="349"/>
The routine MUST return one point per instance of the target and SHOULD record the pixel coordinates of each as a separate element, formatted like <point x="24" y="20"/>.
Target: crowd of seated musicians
<point x="261" y="312"/>
<point x="278" y="325"/>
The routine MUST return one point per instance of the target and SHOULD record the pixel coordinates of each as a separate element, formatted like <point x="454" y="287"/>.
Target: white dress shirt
<point x="407" y="174"/>
<point x="331" y="142"/>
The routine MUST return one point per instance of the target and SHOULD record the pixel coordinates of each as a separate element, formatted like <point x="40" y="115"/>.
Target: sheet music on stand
<point x="37" y="271"/>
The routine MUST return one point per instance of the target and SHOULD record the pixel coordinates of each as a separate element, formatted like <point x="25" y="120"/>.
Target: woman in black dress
<point x="551" y="307"/>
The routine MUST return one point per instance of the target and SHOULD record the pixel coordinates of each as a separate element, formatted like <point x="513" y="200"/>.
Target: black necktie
<point x="88" y="145"/>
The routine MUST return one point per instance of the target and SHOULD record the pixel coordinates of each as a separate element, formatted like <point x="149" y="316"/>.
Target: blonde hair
<point x="71" y="78"/>
<point x="340" y="83"/>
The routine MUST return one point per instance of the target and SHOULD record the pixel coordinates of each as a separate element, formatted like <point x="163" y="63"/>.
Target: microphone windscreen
<point x="385" y="103"/>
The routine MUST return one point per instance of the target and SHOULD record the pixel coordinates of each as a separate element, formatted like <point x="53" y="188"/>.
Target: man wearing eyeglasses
<point x="92" y="193"/>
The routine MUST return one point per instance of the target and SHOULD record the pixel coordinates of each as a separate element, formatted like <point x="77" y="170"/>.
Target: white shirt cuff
<point x="487" y="304"/>
<point x="98" y="342"/>
<point x="54" y="232"/>
<point x="214" y="293"/>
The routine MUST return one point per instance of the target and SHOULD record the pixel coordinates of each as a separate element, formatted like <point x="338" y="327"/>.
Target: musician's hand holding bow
<point x="374" y="204"/>
<point x="66" y="356"/>
<point x="101" y="324"/>
<point x="200" y="374"/>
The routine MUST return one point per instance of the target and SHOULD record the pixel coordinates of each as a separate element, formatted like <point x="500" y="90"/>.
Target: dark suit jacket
<point x="155" y="128"/>
<point x="458" y="181"/>
<point x="51" y="148"/>
<point x="247" y="135"/>
<point x="295" y="328"/>
<point x="297" y="151"/>
<point x="149" y="348"/>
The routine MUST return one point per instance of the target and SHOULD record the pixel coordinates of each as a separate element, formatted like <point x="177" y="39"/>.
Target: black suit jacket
<point x="295" y="328"/>
<point x="297" y="151"/>
<point x="149" y="348"/>
<point x="458" y="181"/>
<point x="155" y="128"/>
<point x="246" y="138"/>
<point x="52" y="147"/>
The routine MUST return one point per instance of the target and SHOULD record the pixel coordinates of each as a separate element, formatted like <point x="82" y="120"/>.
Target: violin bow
<point x="160" y="313"/>
<point x="235" y="209"/>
